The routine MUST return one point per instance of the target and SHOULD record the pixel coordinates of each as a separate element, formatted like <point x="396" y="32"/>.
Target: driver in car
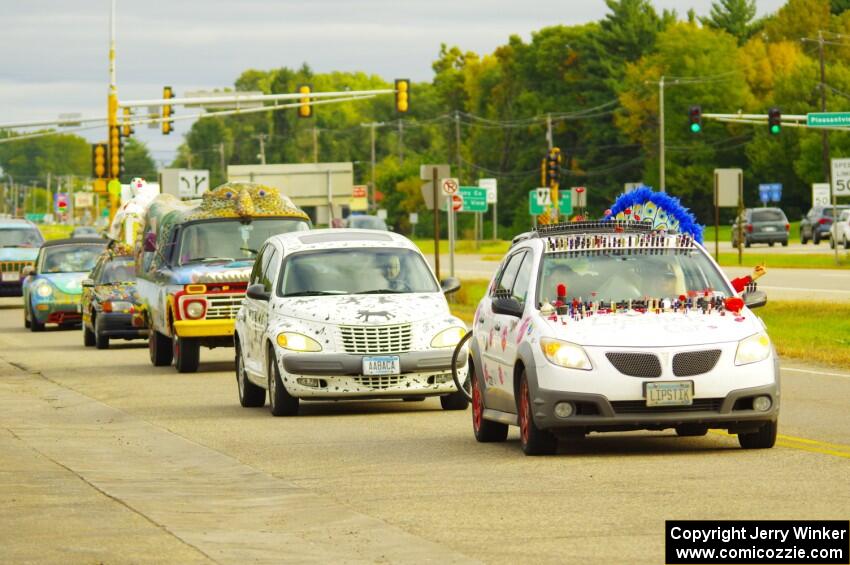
<point x="392" y="274"/>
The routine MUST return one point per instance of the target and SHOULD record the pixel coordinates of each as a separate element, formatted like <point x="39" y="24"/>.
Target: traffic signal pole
<point x="661" y="179"/>
<point x="112" y="109"/>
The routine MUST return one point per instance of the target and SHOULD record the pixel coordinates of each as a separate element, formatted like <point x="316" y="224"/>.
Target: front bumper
<point x="119" y="325"/>
<point x="594" y="412"/>
<point x="340" y="375"/>
<point x="204" y="328"/>
<point x="57" y="312"/>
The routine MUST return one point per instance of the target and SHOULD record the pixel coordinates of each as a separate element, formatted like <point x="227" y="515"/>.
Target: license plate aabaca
<point x="383" y="365"/>
<point x="680" y="393"/>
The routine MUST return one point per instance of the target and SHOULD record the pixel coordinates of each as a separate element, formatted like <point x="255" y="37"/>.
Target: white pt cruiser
<point x="345" y="314"/>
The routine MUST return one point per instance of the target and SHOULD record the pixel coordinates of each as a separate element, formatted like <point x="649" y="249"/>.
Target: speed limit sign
<point x="841" y="177"/>
<point x="449" y="186"/>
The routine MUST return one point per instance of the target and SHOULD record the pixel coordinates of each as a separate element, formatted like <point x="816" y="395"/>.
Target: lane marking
<point x="804" y="444"/>
<point x="808" y="371"/>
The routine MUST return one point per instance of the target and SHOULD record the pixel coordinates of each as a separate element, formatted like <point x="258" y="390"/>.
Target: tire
<point x="533" y="440"/>
<point x="35" y="325"/>
<point x="159" y="347"/>
<point x="747" y="242"/>
<point x="815" y="239"/>
<point x="765" y="438"/>
<point x="26" y="317"/>
<point x="785" y="243"/>
<point x="846" y="243"/>
<point x="88" y="336"/>
<point x="250" y="395"/>
<point x="281" y="403"/>
<point x="832" y="243"/>
<point x="454" y="401"/>
<point x="803" y="239"/>
<point x="187" y="354"/>
<point x="100" y="341"/>
<point x="485" y="431"/>
<point x="691" y="430"/>
<point x="770" y="243"/>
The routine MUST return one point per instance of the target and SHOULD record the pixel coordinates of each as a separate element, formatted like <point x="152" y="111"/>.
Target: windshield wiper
<point x="313" y="293"/>
<point x="383" y="291"/>
<point x="207" y="259"/>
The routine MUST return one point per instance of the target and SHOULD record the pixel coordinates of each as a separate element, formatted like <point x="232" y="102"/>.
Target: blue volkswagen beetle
<point x="19" y="243"/>
<point x="53" y="288"/>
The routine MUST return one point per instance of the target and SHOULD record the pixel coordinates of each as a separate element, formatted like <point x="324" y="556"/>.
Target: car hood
<point x="360" y="309"/>
<point x="122" y="291"/>
<point x="233" y="271"/>
<point x="69" y="283"/>
<point x="636" y="329"/>
<point x="18" y="253"/>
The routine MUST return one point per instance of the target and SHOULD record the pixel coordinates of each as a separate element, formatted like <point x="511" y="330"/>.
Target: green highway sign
<point x="538" y="200"/>
<point x="828" y="119"/>
<point x="474" y="199"/>
<point x="565" y="201"/>
<point x="34" y="217"/>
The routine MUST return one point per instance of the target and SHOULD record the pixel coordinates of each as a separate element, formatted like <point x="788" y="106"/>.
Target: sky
<point x="54" y="58"/>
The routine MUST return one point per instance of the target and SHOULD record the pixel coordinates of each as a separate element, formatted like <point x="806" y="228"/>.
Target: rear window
<point x="768" y="216"/>
<point x="828" y="211"/>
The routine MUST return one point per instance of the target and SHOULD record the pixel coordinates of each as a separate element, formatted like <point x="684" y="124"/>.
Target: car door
<point x="495" y="351"/>
<point x="248" y="314"/>
<point x="268" y="275"/>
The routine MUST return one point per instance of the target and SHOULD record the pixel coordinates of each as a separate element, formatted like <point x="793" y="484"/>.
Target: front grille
<point x="376" y="339"/>
<point x="14" y="266"/>
<point x="693" y="363"/>
<point x="379" y="382"/>
<point x="640" y="407"/>
<point x="223" y="306"/>
<point x="645" y="365"/>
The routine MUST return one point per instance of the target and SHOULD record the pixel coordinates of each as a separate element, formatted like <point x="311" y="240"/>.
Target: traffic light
<point x="305" y="110"/>
<point x="774" y="121"/>
<point x="402" y="95"/>
<point x="98" y="160"/>
<point x="167" y="111"/>
<point x="695" y="117"/>
<point x="116" y="150"/>
<point x="553" y="167"/>
<point x="126" y="129"/>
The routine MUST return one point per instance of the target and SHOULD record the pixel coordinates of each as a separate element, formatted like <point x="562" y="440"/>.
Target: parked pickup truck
<point x="193" y="260"/>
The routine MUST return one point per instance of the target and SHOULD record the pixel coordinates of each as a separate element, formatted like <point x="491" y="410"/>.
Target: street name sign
<point x="828" y="119"/>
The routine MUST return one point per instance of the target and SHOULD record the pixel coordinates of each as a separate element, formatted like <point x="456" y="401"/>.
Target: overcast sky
<point x="54" y="55"/>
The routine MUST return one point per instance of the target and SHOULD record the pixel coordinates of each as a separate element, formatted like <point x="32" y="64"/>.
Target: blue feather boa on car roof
<point x="662" y="211"/>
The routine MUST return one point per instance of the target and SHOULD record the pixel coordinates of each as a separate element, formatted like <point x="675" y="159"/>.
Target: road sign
<point x="474" y="199"/>
<point x="630" y="186"/>
<point x="538" y="200"/>
<point x="828" y="119"/>
<point x="490" y="185"/>
<point x="359" y="203"/>
<point x="382" y="213"/>
<point x="413" y="218"/>
<point x="449" y="186"/>
<point x="457" y="202"/>
<point x="579" y="197"/>
<point x="820" y="194"/>
<point x="83" y="200"/>
<point x="841" y="177"/>
<point x="192" y="183"/>
<point x="426" y="173"/>
<point x="565" y="201"/>
<point x="62" y="200"/>
<point x="34" y="217"/>
<point x="770" y="192"/>
<point x="726" y="184"/>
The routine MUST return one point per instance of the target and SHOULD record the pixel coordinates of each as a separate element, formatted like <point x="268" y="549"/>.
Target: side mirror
<point x="27" y="271"/>
<point x="258" y="292"/>
<point x="755" y="299"/>
<point x="87" y="283"/>
<point x="450" y="285"/>
<point x="149" y="244"/>
<point x="508" y="306"/>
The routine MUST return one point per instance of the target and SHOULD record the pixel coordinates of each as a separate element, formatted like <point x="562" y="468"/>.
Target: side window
<point x="97" y="271"/>
<point x="508" y="275"/>
<point x="271" y="264"/>
<point x="258" y="266"/>
<point x="523" y="279"/>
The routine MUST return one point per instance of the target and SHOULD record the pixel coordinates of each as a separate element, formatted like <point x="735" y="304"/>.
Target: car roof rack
<point x="593" y="226"/>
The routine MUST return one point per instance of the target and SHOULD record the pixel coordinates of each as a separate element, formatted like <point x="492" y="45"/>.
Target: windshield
<point x="630" y="275"/>
<point x="366" y="223"/>
<point x="120" y="269"/>
<point x="356" y="271"/>
<point x="70" y="258"/>
<point x="231" y="239"/>
<point x="20" y="237"/>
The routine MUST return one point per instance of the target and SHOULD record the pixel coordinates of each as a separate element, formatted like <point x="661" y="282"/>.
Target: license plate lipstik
<point x="679" y="393"/>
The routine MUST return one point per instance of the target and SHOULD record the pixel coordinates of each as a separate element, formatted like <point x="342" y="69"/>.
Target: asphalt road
<point x="828" y="285"/>
<point x="104" y="458"/>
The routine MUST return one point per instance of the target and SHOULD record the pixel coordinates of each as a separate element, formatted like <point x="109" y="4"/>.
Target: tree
<point x="137" y="161"/>
<point x="735" y="17"/>
<point x="59" y="154"/>
<point x="798" y="18"/>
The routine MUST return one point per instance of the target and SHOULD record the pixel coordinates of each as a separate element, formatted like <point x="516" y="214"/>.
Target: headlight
<point x="753" y="349"/>
<point x="195" y="309"/>
<point x="297" y="342"/>
<point x="565" y="354"/>
<point x="44" y="289"/>
<point x="449" y="337"/>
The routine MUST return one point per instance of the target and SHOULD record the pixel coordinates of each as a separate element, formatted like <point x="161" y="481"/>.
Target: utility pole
<point x="549" y="142"/>
<point x="371" y="194"/>
<point x="825" y="141"/>
<point x="315" y="144"/>
<point x="222" y="160"/>
<point x="49" y="192"/>
<point x="661" y="179"/>
<point x="112" y="103"/>
<point x="262" y="138"/>
<point x="400" y="141"/>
